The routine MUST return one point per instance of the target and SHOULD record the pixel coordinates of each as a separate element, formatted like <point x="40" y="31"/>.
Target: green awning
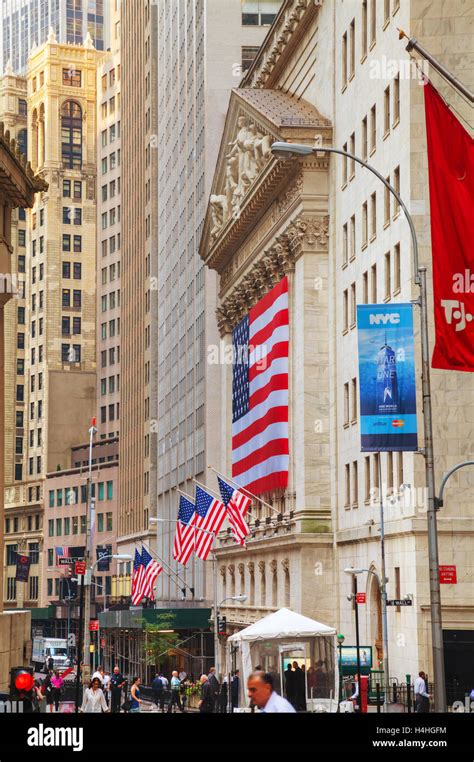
<point x="45" y="613"/>
<point x="184" y="618"/>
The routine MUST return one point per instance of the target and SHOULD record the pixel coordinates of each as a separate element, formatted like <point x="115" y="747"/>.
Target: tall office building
<point x="54" y="329"/>
<point x="27" y="23"/>
<point x="189" y="55"/>
<point x="109" y="243"/>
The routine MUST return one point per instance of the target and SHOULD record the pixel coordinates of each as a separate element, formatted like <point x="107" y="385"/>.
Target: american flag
<point x="184" y="536"/>
<point x="152" y="570"/>
<point x="137" y="579"/>
<point x="260" y="394"/>
<point x="237" y="504"/>
<point x="61" y="552"/>
<point x="210" y="515"/>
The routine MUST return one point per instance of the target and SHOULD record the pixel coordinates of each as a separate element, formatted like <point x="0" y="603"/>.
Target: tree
<point x="160" y="639"/>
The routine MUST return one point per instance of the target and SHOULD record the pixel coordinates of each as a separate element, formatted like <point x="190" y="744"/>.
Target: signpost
<point x="80" y="567"/>
<point x="94" y="625"/>
<point x="360" y="597"/>
<point x="400" y="602"/>
<point x="447" y="575"/>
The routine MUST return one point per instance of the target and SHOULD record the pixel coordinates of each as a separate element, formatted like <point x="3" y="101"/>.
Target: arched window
<point x="22" y="140"/>
<point x="71" y="135"/>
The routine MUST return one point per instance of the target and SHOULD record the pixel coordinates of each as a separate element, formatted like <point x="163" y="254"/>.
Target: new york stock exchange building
<point x="266" y="235"/>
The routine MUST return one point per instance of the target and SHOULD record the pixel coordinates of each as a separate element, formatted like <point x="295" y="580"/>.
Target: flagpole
<point x="413" y="44"/>
<point x="218" y="497"/>
<point x="171" y="570"/>
<point x="244" y="489"/>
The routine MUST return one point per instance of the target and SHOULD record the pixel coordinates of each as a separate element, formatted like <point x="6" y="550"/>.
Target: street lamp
<point x="340" y="642"/>
<point x="353" y="598"/>
<point x="286" y="151"/>
<point x="238" y="599"/>
<point x="382" y="583"/>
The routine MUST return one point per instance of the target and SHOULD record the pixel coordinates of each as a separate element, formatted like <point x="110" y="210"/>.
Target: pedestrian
<point x="117" y="681"/>
<point x="94" y="699"/>
<point x="182" y="675"/>
<point x="158" y="690"/>
<point x="289" y="683"/>
<point x="234" y="689"/>
<point x="50" y="664"/>
<point x="135" y="699"/>
<point x="175" y="697"/>
<point x="39" y="697"/>
<point x="214" y="683"/>
<point x="99" y="673"/>
<point x="106" y="687"/>
<point x="300" y="688"/>
<point x="262" y="694"/>
<point x="48" y="692"/>
<point x="56" y="683"/>
<point x="422" y="697"/>
<point x="206" y="704"/>
<point x="224" y="696"/>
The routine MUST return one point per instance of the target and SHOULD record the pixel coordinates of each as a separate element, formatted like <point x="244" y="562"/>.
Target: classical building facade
<point x="56" y="334"/>
<point x="27" y="23"/>
<point x="18" y="187"/>
<point x="337" y="73"/>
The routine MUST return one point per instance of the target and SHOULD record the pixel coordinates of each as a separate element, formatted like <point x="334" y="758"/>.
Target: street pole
<point x="356" y="610"/>
<point x="216" y="613"/>
<point x="79" y="645"/>
<point x="87" y="578"/>
<point x="383" y="593"/>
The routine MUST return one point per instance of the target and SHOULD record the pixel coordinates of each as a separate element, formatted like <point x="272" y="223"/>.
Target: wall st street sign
<point x="400" y="602"/>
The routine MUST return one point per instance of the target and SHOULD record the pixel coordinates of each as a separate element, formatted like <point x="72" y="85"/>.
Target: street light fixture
<point x="340" y="642"/>
<point x="287" y="151"/>
<point x="356" y="611"/>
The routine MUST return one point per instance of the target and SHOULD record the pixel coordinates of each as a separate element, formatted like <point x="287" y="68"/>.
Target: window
<point x="344" y="165"/>
<point x="345" y="245"/>
<point x="65" y="326"/>
<point x="22" y="238"/>
<point x="373" y="210"/>
<point x="78" y="216"/>
<point x="396" y="100"/>
<point x="11" y="589"/>
<point x="20" y="341"/>
<point x="66" y="189"/>
<point x="364" y="139"/>
<point x="352" y="151"/>
<point x="386" y="204"/>
<point x="396" y="268"/>
<point x="66" y="269"/>
<point x="104" y="192"/>
<point x="100" y="522"/>
<point x="259" y="12"/>
<point x="373" y="278"/>
<point x="18" y="472"/>
<point x="66" y="298"/>
<point x="389" y="473"/>
<point x="364" y="29"/>
<point x="355" y="485"/>
<point x="20" y="393"/>
<point x="78" y="244"/>
<point x="77" y="268"/>
<point x="77" y="189"/>
<point x="353" y="305"/>
<point x="33" y="588"/>
<point x="367" y="478"/>
<point x="71" y="135"/>
<point x="22" y="107"/>
<point x="33" y="548"/>
<point x="104" y="138"/>
<point x="352" y="49"/>
<point x="354" y="400"/>
<point x="72" y="77"/>
<point x="248" y="56"/>
<point x="101" y="491"/>
<point x="352" y="243"/>
<point x="346" y="404"/>
<point x="77" y="299"/>
<point x="18" y="445"/>
<point x="11" y="553"/>
<point x="386" y="110"/>
<point x="344" y="60"/>
<point x="396" y="185"/>
<point x="75" y="524"/>
<point x="59" y="527"/>
<point x="400" y="479"/>
<point x="21" y="263"/>
<point x="66" y="215"/>
<point x="66" y="241"/>
<point x="364" y="225"/>
<point x="347" y="485"/>
<point x="19" y="419"/>
<point x="21" y="315"/>
<point x="76" y="325"/>
<point x="373" y="22"/>
<point x="373" y="128"/>
<point x="345" y="311"/>
<point x="110" y="490"/>
<point x="67" y="525"/>
<point x="386" y="12"/>
<point x="365" y="287"/>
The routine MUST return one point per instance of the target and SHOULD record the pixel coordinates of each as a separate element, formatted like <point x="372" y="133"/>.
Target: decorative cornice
<point x="272" y="266"/>
<point x="291" y="22"/>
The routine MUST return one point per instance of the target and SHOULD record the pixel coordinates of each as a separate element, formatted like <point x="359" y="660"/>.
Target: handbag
<point x="126" y="706"/>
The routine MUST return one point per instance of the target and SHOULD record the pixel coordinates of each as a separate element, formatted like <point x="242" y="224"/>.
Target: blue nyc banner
<point x="387" y="384"/>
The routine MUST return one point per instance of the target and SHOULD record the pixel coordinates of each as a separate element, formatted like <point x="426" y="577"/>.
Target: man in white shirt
<point x="99" y="673"/>
<point x="422" y="697"/>
<point x="261" y="693"/>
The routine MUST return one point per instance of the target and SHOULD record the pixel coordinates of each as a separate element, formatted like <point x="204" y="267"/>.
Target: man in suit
<point x="290" y="684"/>
<point x="206" y="704"/>
<point x="234" y="689"/>
<point x="214" y="684"/>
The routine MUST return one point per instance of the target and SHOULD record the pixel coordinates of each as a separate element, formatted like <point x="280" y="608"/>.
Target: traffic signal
<point x="21" y="682"/>
<point x="222" y="625"/>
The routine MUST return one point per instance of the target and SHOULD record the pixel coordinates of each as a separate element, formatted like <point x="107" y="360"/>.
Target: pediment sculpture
<point x="248" y="153"/>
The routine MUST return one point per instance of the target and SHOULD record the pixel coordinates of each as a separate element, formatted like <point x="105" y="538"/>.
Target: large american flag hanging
<point x="184" y="538"/>
<point x="152" y="570"/>
<point x="260" y="394"/>
<point x="137" y="579"/>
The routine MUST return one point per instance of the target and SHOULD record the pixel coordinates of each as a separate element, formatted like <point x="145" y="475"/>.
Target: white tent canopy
<point x="283" y="623"/>
<point x="281" y="637"/>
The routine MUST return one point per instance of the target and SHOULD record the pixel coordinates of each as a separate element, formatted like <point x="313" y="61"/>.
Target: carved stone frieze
<point x="222" y="571"/>
<point x="261" y="566"/>
<point x="231" y="569"/>
<point x="286" y="565"/>
<point x="273" y="566"/>
<point x="241" y="568"/>
<point x="251" y="567"/>
<point x="276" y="262"/>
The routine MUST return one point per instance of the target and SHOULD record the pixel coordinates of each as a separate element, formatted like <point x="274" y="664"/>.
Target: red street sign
<point x="94" y="625"/>
<point x="360" y="597"/>
<point x="447" y="575"/>
<point x="80" y="567"/>
<point x="102" y="643"/>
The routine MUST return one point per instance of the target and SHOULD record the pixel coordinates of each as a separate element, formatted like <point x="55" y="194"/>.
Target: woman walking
<point x="48" y="692"/>
<point x="57" y="684"/>
<point x="135" y="699"/>
<point x="94" y="699"/>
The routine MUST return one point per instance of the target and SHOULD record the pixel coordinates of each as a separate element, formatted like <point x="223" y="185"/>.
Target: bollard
<point x="408" y="693"/>
<point x="377" y="688"/>
<point x="394" y="693"/>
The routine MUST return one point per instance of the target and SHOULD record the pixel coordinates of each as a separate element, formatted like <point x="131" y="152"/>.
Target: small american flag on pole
<point x="210" y="515"/>
<point x="260" y="451"/>
<point x="237" y="504"/>
<point x="61" y="552"/>
<point x="184" y="536"/>
<point x="137" y="579"/>
<point x="152" y="570"/>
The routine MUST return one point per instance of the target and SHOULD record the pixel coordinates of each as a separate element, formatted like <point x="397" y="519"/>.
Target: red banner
<point x="451" y="175"/>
